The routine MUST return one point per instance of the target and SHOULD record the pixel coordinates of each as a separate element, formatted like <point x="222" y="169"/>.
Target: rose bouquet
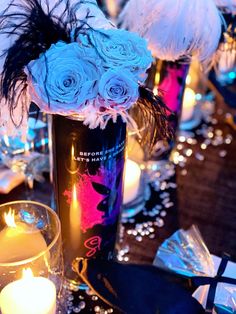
<point x="68" y="65"/>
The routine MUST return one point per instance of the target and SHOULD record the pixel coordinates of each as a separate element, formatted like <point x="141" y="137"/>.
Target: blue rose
<point x="64" y="78"/>
<point x="117" y="90"/>
<point x="120" y="48"/>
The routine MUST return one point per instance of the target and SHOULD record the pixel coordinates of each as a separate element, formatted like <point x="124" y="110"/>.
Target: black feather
<point x="35" y="30"/>
<point x="150" y="114"/>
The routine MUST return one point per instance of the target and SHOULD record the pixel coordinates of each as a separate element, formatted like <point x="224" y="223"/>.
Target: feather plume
<point x="227" y="5"/>
<point x="175" y="29"/>
<point x="36" y="32"/>
<point x="150" y="115"/>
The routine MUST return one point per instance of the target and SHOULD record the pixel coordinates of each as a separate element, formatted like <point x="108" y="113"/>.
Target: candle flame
<point x="189" y="98"/>
<point x="27" y="273"/>
<point x="74" y="194"/>
<point x="75" y="214"/>
<point x="10" y="218"/>
<point x="72" y="152"/>
<point x="155" y="90"/>
<point x="188" y="79"/>
<point x="157" y="78"/>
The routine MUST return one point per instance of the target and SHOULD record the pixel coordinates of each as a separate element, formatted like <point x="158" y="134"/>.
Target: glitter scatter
<point x="85" y="301"/>
<point x="122" y="255"/>
<point x="207" y="134"/>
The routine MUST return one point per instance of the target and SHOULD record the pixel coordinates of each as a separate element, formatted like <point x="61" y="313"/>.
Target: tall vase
<point x="169" y="77"/>
<point x="172" y="83"/>
<point x="88" y="171"/>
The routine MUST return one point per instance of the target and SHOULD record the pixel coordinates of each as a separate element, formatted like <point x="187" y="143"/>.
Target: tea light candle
<point x="131" y="181"/>
<point x="189" y="102"/>
<point x="18" y="241"/>
<point x="29" y="295"/>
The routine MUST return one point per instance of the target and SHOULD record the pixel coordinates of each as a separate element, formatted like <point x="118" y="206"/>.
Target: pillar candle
<point x="131" y="181"/>
<point x="29" y="295"/>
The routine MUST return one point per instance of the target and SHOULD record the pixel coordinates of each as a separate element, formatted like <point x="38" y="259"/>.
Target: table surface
<point x="205" y="196"/>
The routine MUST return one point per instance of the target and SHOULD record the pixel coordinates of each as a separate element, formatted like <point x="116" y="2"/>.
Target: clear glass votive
<point x="31" y="264"/>
<point x="28" y="157"/>
<point x="136" y="188"/>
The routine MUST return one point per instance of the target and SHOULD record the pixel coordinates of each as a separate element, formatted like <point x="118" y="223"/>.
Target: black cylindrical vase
<point x="172" y="83"/>
<point x="88" y="171"/>
<point x="169" y="79"/>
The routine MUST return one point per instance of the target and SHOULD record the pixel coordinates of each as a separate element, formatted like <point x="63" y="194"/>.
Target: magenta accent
<point x="89" y="199"/>
<point x="93" y="244"/>
<point x="172" y="84"/>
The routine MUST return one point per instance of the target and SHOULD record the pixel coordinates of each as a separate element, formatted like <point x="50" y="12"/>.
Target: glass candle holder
<point x="28" y="157"/>
<point x="31" y="265"/>
<point x="136" y="187"/>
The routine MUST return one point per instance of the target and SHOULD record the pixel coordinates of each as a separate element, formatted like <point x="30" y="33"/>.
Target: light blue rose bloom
<point x="120" y="48"/>
<point x="65" y="77"/>
<point x="117" y="89"/>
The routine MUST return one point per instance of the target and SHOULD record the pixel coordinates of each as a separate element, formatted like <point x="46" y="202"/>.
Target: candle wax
<point x="189" y="102"/>
<point x="36" y="295"/>
<point x="20" y="243"/>
<point x="131" y="181"/>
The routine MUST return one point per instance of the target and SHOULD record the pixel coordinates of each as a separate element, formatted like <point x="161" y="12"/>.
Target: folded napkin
<point x="137" y="289"/>
<point x="185" y="253"/>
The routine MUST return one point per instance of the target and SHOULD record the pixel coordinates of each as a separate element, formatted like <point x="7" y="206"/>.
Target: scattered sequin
<point x="199" y="156"/>
<point x="222" y="153"/>
<point x="184" y="172"/>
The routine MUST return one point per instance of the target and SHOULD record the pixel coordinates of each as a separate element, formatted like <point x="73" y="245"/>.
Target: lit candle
<point x="131" y="181"/>
<point x="189" y="102"/>
<point x="19" y="241"/>
<point x="75" y="218"/>
<point x="29" y="295"/>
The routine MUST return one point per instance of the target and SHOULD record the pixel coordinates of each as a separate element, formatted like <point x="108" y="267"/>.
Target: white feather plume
<point x="227" y="5"/>
<point x="175" y="29"/>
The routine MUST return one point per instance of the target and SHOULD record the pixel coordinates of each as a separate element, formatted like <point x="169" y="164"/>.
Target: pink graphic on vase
<point x="172" y="84"/>
<point x="93" y="244"/>
<point x="99" y="196"/>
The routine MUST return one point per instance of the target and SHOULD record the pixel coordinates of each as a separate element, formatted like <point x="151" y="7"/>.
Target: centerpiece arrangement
<point x="72" y="62"/>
